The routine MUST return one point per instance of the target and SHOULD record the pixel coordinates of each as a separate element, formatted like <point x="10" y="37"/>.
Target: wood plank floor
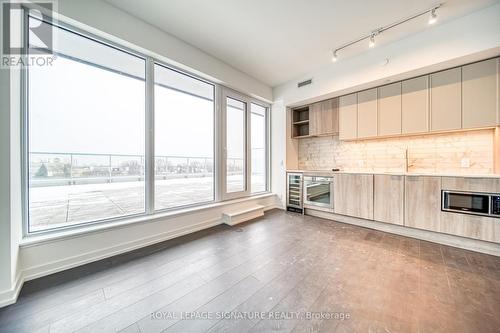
<point x="282" y="272"/>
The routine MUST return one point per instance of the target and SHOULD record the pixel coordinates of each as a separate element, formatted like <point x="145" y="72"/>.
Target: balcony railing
<point x="52" y="169"/>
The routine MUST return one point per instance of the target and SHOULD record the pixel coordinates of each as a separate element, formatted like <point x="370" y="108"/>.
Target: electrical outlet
<point x="361" y="163"/>
<point x="465" y="162"/>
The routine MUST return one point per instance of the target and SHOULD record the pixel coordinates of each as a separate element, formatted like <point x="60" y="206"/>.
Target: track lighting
<point x="334" y="56"/>
<point x="433" y="16"/>
<point x="372" y="41"/>
<point x="371" y="37"/>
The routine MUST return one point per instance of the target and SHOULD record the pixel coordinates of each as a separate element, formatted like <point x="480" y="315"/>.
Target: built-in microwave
<point x="477" y="203"/>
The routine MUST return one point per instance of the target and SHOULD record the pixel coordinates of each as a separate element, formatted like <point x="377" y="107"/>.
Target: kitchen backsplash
<point x="468" y="152"/>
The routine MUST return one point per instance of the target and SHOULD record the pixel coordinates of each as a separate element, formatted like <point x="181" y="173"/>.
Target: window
<point x="86" y="138"/>
<point x="184" y="139"/>
<point x="90" y="150"/>
<point x="236" y="145"/>
<point x="258" y="121"/>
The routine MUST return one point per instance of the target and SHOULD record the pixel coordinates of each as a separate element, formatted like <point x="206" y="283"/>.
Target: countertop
<point x="331" y="173"/>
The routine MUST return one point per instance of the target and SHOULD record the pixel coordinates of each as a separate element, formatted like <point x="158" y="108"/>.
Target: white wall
<point x="466" y="39"/>
<point x="103" y="17"/>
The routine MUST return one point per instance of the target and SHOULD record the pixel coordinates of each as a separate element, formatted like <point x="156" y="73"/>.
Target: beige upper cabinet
<point x="323" y="118"/>
<point x="348" y="117"/>
<point x="415" y="105"/>
<point x="367" y="113"/>
<point x="446" y="100"/>
<point x="480" y="94"/>
<point x="389" y="109"/>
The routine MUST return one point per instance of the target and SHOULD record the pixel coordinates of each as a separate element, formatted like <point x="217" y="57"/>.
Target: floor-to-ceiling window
<point x="86" y="133"/>
<point x="184" y="139"/>
<point x="111" y="133"/>
<point x="259" y="151"/>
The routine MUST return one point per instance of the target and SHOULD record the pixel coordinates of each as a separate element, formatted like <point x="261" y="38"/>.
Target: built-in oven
<point x="318" y="192"/>
<point x="477" y="203"/>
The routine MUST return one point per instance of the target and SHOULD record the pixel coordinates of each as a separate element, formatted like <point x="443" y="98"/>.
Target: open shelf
<point x="300" y="122"/>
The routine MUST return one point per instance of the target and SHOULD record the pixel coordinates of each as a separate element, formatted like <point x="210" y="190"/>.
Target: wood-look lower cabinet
<point x="480" y="94"/>
<point x="388" y="199"/>
<point x="367" y="113"/>
<point x="353" y="195"/>
<point x="446" y="100"/>
<point x="423" y="202"/>
<point x="415" y="105"/>
<point x="389" y="109"/>
<point x="348" y="117"/>
<point x="324" y="118"/>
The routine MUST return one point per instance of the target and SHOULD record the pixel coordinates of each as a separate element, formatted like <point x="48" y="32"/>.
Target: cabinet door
<point x="446" y="100"/>
<point x="367" y="113"/>
<point x="480" y="94"/>
<point x="415" y="105"/>
<point x="423" y="202"/>
<point x="388" y="199"/>
<point x="323" y="117"/>
<point x="348" y="117"/>
<point x="389" y="109"/>
<point x="353" y="195"/>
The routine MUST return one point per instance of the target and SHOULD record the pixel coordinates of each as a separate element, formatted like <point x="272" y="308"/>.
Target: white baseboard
<point x="431" y="236"/>
<point x="9" y="296"/>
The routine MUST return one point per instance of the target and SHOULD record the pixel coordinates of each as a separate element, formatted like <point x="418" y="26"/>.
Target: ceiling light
<point x="432" y="12"/>
<point x="334" y="56"/>
<point x="372" y="41"/>
<point x="433" y="16"/>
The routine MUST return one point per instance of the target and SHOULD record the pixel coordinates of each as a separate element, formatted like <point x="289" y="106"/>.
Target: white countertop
<point x="330" y="173"/>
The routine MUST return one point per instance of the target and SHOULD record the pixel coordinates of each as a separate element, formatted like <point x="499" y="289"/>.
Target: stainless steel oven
<point x="477" y="203"/>
<point x="318" y="192"/>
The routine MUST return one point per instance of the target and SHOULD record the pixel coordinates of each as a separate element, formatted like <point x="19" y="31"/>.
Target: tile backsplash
<point x="469" y="152"/>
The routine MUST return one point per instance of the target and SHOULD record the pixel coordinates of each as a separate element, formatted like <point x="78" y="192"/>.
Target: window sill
<point x="36" y="239"/>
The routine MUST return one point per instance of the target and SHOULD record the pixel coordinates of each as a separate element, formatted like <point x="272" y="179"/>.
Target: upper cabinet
<point x="367" y="113"/>
<point x="415" y="105"/>
<point x="480" y="94"/>
<point x="324" y="118"/>
<point x="389" y="109"/>
<point x="459" y="98"/>
<point x="348" y="117"/>
<point x="446" y="100"/>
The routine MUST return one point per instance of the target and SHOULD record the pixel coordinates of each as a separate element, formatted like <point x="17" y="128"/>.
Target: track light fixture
<point x="371" y="37"/>
<point x="372" y="41"/>
<point x="433" y="16"/>
<point x="334" y="56"/>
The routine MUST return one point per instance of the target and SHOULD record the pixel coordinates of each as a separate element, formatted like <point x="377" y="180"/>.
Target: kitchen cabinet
<point x="388" y="199"/>
<point x="348" y="117"/>
<point x="415" y="105"/>
<point x="480" y="94"/>
<point x="389" y="109"/>
<point x="324" y="118"/>
<point x="423" y="202"/>
<point x="367" y="113"/>
<point x="466" y="225"/>
<point x="446" y="100"/>
<point x="353" y="195"/>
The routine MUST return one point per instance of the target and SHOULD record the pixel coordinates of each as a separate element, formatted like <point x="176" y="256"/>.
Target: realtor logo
<point x="35" y="27"/>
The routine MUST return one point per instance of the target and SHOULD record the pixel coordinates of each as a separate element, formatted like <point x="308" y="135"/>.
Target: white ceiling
<point x="275" y="41"/>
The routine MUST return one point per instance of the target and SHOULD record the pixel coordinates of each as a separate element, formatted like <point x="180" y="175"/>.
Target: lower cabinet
<point x="388" y="199"/>
<point x="423" y="202"/>
<point x="353" y="195"/>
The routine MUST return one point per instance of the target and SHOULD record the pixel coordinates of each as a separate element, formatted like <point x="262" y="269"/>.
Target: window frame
<point x="149" y="158"/>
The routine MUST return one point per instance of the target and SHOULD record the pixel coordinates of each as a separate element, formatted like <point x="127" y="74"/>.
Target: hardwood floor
<point x="282" y="272"/>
